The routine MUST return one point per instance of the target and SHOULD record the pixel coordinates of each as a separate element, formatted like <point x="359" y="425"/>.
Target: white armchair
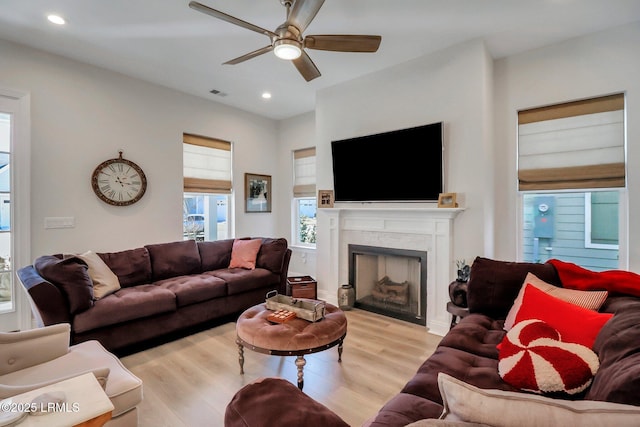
<point x="38" y="357"/>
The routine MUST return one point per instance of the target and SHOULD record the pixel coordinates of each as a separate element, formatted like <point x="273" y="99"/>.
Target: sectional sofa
<point x="128" y="297"/>
<point x="474" y="379"/>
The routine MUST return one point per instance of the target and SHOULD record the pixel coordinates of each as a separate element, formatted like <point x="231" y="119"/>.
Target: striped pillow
<point x="591" y="300"/>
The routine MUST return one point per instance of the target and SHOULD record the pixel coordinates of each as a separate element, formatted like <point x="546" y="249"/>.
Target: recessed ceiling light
<point x="56" y="19"/>
<point x="266" y="95"/>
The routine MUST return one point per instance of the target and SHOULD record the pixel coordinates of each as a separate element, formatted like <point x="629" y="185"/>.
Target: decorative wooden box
<point x="302" y="287"/>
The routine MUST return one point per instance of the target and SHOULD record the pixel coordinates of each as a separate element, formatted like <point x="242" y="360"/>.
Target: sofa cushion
<point x="133" y="266"/>
<point x="534" y="358"/>
<point x="591" y="300"/>
<point x="126" y="304"/>
<point x="464" y="402"/>
<point x="240" y="280"/>
<point x="404" y="409"/>
<point x="494" y="285"/>
<point x="244" y="253"/>
<point x="174" y="259"/>
<point x="575" y="324"/>
<point x="271" y="254"/>
<point x="277" y="402"/>
<point x="194" y="288"/>
<point x="104" y="280"/>
<point x="215" y="255"/>
<point x="618" y="379"/>
<point x="71" y="275"/>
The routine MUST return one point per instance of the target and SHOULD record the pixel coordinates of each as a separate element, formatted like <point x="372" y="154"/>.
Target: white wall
<point x="294" y="133"/>
<point x="452" y="86"/>
<point x="81" y="115"/>
<point x="598" y="64"/>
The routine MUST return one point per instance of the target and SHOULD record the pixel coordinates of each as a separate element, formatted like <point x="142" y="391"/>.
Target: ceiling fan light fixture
<point x="287" y="49"/>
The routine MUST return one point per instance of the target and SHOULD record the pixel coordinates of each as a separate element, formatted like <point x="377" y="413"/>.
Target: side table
<point x="302" y="287"/>
<point x="86" y="404"/>
<point x="456" y="312"/>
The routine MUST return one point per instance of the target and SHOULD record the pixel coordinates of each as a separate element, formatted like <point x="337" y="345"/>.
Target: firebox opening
<point x="390" y="281"/>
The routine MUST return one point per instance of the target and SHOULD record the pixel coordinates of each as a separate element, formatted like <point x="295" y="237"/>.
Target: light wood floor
<point x="189" y="382"/>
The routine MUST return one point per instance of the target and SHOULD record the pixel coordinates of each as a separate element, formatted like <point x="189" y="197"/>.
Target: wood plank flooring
<point x="189" y="382"/>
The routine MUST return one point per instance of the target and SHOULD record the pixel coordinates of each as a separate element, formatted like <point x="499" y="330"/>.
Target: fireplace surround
<point x="424" y="229"/>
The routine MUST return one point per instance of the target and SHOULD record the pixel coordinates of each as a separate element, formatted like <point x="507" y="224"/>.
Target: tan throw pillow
<point x="105" y="282"/>
<point x="498" y="408"/>
<point x="244" y="253"/>
<point x="591" y="300"/>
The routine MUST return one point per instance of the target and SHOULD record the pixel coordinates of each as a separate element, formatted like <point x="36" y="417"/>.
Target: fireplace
<point x="390" y="281"/>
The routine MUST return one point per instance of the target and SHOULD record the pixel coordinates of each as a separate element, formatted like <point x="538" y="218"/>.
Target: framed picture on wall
<point x="325" y="198"/>
<point x="257" y="193"/>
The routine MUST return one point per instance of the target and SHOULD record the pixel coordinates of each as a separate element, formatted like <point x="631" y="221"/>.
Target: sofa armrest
<point x="48" y="304"/>
<point x="22" y="350"/>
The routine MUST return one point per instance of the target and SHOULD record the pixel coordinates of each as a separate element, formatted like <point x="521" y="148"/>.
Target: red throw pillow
<point x="575" y="324"/>
<point x="244" y="253"/>
<point x="534" y="358"/>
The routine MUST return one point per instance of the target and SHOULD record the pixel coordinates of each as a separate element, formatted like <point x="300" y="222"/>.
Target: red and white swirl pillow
<point x="533" y="357"/>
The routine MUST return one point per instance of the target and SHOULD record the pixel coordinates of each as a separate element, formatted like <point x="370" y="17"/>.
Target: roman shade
<point x="574" y="145"/>
<point x="304" y="170"/>
<point x="207" y="165"/>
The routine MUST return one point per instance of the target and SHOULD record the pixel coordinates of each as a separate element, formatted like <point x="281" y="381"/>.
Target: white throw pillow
<point x="464" y="402"/>
<point x="105" y="282"/>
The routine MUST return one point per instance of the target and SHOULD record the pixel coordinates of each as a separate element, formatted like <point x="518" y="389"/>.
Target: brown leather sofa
<point x="165" y="288"/>
<point x="468" y="353"/>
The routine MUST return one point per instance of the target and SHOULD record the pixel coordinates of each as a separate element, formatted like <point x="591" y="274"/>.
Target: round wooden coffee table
<point x="296" y="337"/>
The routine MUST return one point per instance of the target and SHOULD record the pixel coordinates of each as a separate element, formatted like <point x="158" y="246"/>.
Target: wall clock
<point x="119" y="182"/>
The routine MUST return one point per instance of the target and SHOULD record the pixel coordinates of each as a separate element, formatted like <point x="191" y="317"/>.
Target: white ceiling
<point x="168" y="43"/>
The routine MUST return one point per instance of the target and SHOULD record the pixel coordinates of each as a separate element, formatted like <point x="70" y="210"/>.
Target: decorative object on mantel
<point x="257" y="193"/>
<point x="325" y="198"/>
<point x="447" y="200"/>
<point x="346" y="297"/>
<point x="118" y="181"/>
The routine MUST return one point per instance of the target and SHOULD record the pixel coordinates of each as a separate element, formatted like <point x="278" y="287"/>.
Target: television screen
<point x="401" y="165"/>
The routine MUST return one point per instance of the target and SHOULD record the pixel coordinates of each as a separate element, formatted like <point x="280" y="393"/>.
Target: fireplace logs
<point x="389" y="291"/>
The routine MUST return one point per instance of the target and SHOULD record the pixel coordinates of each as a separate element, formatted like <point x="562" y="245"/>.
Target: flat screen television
<point x="401" y="165"/>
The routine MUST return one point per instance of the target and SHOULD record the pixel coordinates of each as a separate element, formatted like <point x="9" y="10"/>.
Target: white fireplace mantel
<point x="415" y="228"/>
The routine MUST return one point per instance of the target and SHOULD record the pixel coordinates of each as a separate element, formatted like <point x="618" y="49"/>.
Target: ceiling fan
<point x="287" y="41"/>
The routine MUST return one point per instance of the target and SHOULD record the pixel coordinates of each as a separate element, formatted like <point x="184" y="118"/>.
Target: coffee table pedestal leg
<point x="300" y="362"/>
<point x="240" y="356"/>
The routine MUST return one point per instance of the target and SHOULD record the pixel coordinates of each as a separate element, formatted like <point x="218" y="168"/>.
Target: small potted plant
<point x="463" y="271"/>
<point x="458" y="288"/>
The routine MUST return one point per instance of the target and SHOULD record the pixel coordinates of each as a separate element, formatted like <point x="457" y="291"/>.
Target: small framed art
<point x="257" y="190"/>
<point x="447" y="200"/>
<point x="325" y="198"/>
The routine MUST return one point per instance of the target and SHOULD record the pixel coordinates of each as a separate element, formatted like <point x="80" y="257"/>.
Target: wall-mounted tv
<point x="401" y="165"/>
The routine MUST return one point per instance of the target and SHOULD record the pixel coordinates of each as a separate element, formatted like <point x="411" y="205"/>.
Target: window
<point x="571" y="169"/>
<point x="207" y="185"/>
<point x="304" y="197"/>
<point x="6" y="285"/>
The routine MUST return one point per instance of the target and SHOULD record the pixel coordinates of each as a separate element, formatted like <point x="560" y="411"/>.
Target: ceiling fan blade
<point x="343" y="43"/>
<point x="249" y="55"/>
<point x="302" y="13"/>
<point x="306" y="67"/>
<point x="231" y="19"/>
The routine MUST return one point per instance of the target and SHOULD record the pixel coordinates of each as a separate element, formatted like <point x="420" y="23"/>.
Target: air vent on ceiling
<point x="217" y="92"/>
